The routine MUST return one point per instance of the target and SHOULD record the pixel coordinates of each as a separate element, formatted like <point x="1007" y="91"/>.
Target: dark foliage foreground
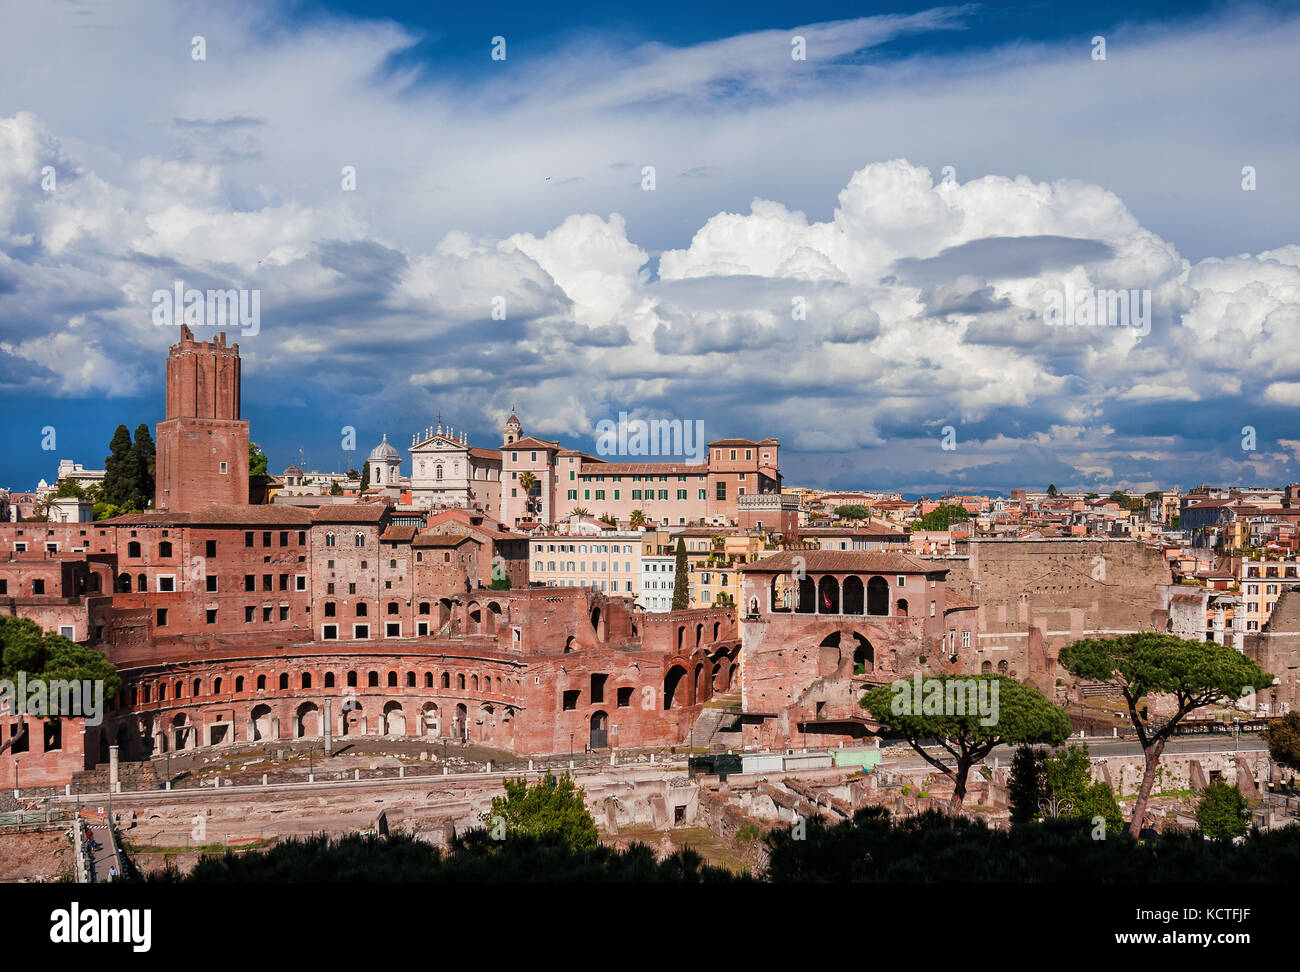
<point x="932" y="847"/>
<point x="935" y="847"/>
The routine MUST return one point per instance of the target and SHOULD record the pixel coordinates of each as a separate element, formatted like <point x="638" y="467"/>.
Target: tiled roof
<point x="399" y="533"/>
<point x="644" y="469"/>
<point x="219" y="515"/>
<point x="441" y="540"/>
<point x="350" y="513"/>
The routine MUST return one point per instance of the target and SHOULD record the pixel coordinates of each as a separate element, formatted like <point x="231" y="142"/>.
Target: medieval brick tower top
<point x="202" y="444"/>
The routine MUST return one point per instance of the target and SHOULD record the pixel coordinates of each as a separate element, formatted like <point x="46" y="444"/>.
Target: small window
<point x="225" y="468"/>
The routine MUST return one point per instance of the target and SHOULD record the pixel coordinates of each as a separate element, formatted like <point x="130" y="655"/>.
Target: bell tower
<point x="513" y="431"/>
<point x="202" y="444"/>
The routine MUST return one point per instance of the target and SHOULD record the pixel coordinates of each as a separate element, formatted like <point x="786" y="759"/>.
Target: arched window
<point x="329" y="679"/>
<point x="329" y="539"/>
<point x="437" y="472"/>
<point x="446" y="680"/>
<point x="372" y="680"/>
<point x="352" y="679"/>
<point x="392" y="679"/>
<point x="284" y="681"/>
<point x="460" y="681"/>
<point x="361" y="539"/>
<point x="239" y="684"/>
<point x="133" y="548"/>
<point x="165" y="549"/>
<point x="306" y="680"/>
<point x="878" y="596"/>
<point x="261" y="683"/>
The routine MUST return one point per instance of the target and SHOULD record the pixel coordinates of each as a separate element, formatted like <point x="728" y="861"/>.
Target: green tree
<point x="1195" y="673"/>
<point x="681" y="581"/>
<point x="853" y="511"/>
<point x="942" y="517"/>
<point x="1223" y="813"/>
<point x="637" y="519"/>
<point x="579" y="511"/>
<point x="256" y="460"/>
<point x="143" y="458"/>
<point x="551" y="806"/>
<point x="946" y="712"/>
<point x="365" y="477"/>
<point x="1283" y="738"/>
<point x="119" y="471"/>
<point x="1051" y="489"/>
<point x="608" y="519"/>
<point x="335" y="488"/>
<point x="66" y="488"/>
<point x="42" y="656"/>
<point x="1026" y="782"/>
<point x="1068" y="783"/>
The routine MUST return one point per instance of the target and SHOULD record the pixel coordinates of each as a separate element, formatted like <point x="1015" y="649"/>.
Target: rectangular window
<point x="932" y="609"/>
<point x="166" y="583"/>
<point x="300" y="582"/>
<point x="329" y="632"/>
<point x="161" y="621"/>
<point x="284" y="612"/>
<point x="570" y="700"/>
<point x="212" y="616"/>
<point x="248" y="613"/>
<point x="965" y="639"/>
<point x="211" y="581"/>
<point x="248" y="539"/>
<point x="393" y="629"/>
<point x="209" y="548"/>
<point x="360" y="632"/>
<point x="722" y="490"/>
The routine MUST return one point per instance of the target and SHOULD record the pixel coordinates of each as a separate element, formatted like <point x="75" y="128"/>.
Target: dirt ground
<point x="36" y="856"/>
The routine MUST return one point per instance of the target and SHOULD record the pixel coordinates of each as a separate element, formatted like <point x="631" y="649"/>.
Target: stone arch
<point x="699" y="634"/>
<point x="878" y="596"/>
<point x="700" y="685"/>
<point x="864" y="655"/>
<point x="493" y="617"/>
<point x="430" y="720"/>
<point x="181" y="730"/>
<point x="308" y="720"/>
<point x="259" y="722"/>
<point x="807" y="596"/>
<point x="828" y="595"/>
<point x="462" y="721"/>
<point x="672" y="679"/>
<point x="354" y="718"/>
<point x="828" y="654"/>
<point x="854" y="596"/>
<point x="901" y="609"/>
<point x="986" y="668"/>
<point x="1002" y="667"/>
<point x="599" y="729"/>
<point x="783" y="593"/>
<point x="568" y="644"/>
<point x="394" y="720"/>
<point x="123" y="585"/>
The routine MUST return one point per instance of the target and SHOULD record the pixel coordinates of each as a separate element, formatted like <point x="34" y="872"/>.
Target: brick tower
<point x="202" y="444"/>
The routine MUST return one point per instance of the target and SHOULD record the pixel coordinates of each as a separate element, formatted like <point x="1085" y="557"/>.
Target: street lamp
<point x="570" y="754"/>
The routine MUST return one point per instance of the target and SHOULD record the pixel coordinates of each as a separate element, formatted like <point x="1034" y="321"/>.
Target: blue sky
<point x="922" y="183"/>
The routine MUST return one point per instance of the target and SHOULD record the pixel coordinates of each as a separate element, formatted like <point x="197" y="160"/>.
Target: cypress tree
<point x="119" y="475"/>
<point x="681" y="583"/>
<point x="143" y="459"/>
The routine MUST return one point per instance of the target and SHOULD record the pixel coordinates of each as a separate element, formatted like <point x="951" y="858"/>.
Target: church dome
<point x="383" y="452"/>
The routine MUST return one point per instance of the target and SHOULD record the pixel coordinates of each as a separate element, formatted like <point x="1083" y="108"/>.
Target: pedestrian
<point x="112" y="872"/>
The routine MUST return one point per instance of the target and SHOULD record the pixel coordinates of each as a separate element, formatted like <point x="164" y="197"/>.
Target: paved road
<point x="1101" y="746"/>
<point x="102" y="857"/>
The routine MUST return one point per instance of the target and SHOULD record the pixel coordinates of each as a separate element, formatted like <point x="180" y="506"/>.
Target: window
<point x="225" y="468"/>
<point x="266" y="538"/>
<point x="250" y="582"/>
<point x="212" y="616"/>
<point x="248" y="613"/>
<point x="330" y="608"/>
<point x="329" y="539"/>
<point x="624" y="698"/>
<point x="329" y="632"/>
<point x="722" y="491"/>
<point x="248" y="538"/>
<point x="209" y="548"/>
<point x="902" y="581"/>
<point x="965" y="639"/>
<point x="932" y="609"/>
<point x="164" y="549"/>
<point x="133" y="549"/>
<point x="284" y="538"/>
<point x="300" y="582"/>
<point x="284" y="612"/>
<point x="360" y="631"/>
<point x="360" y="539"/>
<point x="161" y="620"/>
<point x="570" y="700"/>
<point x="211" y="583"/>
<point x="166" y="583"/>
<point x="393" y="629"/>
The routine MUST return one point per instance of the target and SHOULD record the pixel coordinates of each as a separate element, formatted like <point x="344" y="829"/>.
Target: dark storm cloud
<point x="1002" y="257"/>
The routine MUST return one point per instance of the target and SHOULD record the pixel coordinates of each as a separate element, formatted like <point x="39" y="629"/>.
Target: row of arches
<point x="175" y="689"/>
<point x="683" y="688"/>
<point x="828" y="596"/>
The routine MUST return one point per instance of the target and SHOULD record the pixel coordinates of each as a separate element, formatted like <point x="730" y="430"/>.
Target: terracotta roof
<point x="874" y="530"/>
<point x="644" y="469"/>
<point x="350" y="513"/>
<point x="841" y="561"/>
<point x="742" y="442"/>
<point x="220" y="515"/>
<point x="529" y="442"/>
<point x="491" y="454"/>
<point x="399" y="533"/>
<point x="441" y="540"/>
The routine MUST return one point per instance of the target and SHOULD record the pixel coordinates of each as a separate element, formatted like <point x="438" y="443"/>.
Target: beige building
<point x="447" y="471"/>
